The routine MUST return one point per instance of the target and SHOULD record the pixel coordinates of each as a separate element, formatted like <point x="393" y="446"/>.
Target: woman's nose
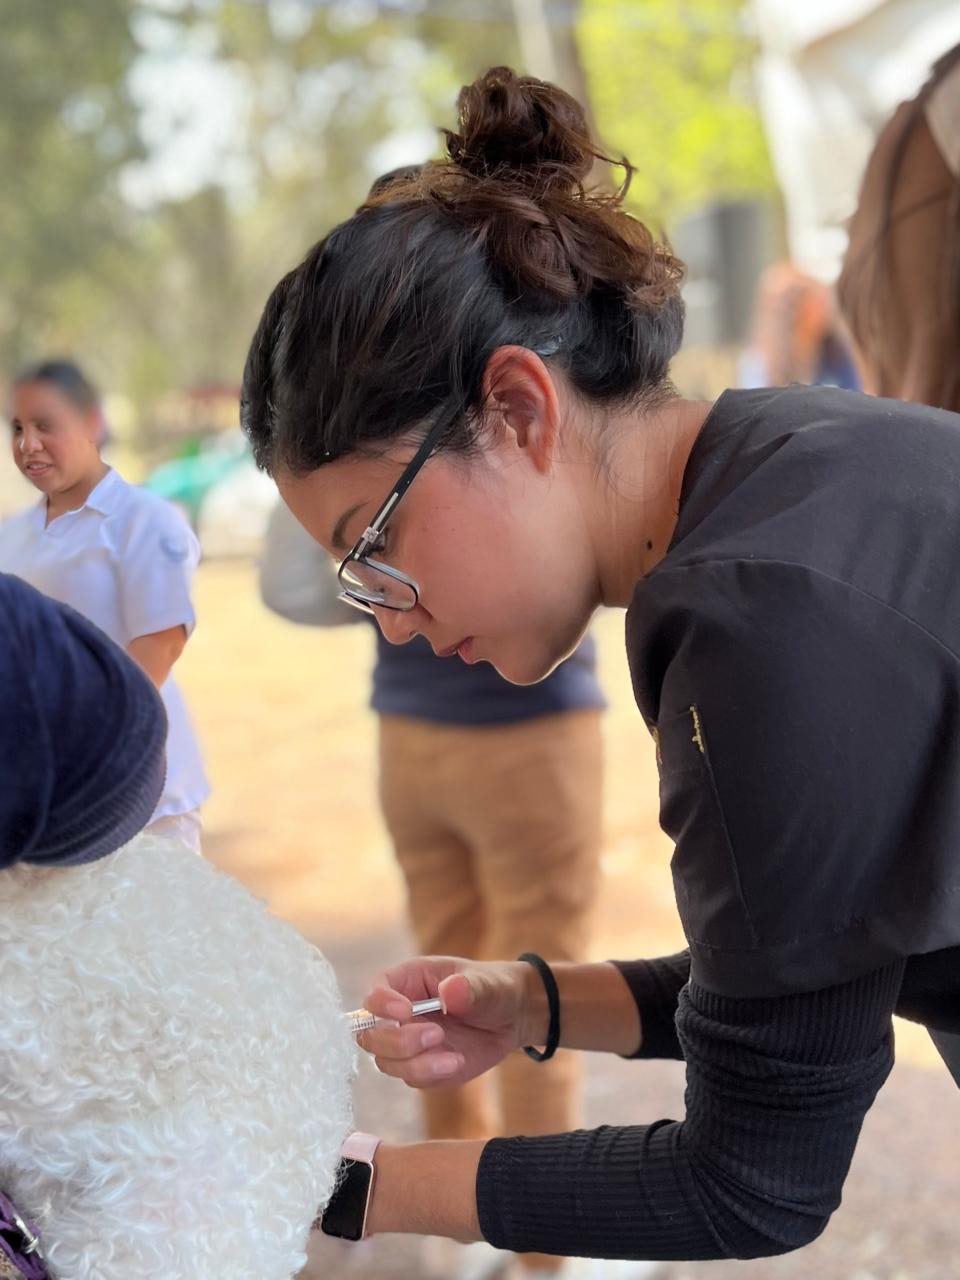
<point x="29" y="440"/>
<point x="397" y="627"/>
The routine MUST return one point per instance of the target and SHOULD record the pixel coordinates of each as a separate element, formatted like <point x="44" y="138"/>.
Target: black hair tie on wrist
<point x="553" y="1005"/>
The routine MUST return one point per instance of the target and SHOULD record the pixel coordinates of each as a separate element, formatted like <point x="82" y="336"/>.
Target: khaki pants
<point x="497" y="832"/>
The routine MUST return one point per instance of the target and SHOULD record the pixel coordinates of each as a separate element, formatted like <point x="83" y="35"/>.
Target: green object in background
<point x="187" y="480"/>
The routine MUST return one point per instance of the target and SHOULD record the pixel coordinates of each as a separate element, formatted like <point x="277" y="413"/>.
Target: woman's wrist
<point x="426" y="1188"/>
<point x="597" y="1009"/>
<point x="533" y="1023"/>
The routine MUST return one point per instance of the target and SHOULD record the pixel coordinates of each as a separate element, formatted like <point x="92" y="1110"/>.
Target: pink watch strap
<point x="360" y="1146"/>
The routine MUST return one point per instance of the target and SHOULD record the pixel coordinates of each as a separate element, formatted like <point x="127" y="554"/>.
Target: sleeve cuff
<point x="656" y="986"/>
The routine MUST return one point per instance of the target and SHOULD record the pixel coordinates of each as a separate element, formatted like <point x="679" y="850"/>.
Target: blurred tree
<point x="126" y="242"/>
<point x="66" y="128"/>
<point x="342" y="91"/>
<point x="167" y="160"/>
<point x="333" y="95"/>
<point x="671" y="86"/>
<point x="550" y="50"/>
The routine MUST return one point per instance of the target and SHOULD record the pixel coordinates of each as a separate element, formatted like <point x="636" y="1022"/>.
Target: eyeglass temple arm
<point x="372" y="531"/>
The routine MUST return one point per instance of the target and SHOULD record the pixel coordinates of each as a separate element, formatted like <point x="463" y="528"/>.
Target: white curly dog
<point x="175" y="1070"/>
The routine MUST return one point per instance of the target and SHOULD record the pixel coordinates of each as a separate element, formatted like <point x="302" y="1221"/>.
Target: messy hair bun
<point x="394" y="315"/>
<point x="517" y="128"/>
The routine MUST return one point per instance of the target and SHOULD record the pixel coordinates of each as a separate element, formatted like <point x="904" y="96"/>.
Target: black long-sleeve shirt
<point x="777" y="1090"/>
<point x="796" y="655"/>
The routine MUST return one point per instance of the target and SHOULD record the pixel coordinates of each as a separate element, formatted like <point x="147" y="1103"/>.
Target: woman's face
<point x="54" y="441"/>
<point x="495" y="541"/>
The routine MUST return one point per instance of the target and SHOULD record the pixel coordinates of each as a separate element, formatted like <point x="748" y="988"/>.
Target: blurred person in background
<point x="899" y="288"/>
<point x="122" y="557"/>
<point x="797" y="335"/>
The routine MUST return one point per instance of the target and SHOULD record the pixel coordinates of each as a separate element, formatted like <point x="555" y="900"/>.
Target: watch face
<point x="344" y="1215"/>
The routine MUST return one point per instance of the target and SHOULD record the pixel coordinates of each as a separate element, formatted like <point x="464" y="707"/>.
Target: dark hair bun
<point x="391" y="318"/>
<point x="519" y="128"/>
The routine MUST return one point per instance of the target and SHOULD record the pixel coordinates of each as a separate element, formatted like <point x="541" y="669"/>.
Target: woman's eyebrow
<point x="337" y="538"/>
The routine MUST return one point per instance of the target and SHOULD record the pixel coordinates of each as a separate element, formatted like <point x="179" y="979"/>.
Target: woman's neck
<point x="637" y="513"/>
<point x="75" y="496"/>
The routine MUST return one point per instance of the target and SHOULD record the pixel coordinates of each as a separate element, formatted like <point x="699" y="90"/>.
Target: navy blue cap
<point x="82" y="735"/>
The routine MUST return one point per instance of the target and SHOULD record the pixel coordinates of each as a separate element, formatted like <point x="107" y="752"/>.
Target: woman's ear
<point x="94" y="426"/>
<point x="519" y="390"/>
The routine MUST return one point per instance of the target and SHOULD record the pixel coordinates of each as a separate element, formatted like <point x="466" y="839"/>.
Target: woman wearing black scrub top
<point x="464" y="390"/>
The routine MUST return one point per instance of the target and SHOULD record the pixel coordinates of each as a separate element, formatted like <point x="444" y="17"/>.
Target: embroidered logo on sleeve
<point x="697" y="729"/>
<point x="674" y="739"/>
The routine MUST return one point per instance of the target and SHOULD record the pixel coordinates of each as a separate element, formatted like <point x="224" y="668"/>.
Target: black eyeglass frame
<point x="369" y="539"/>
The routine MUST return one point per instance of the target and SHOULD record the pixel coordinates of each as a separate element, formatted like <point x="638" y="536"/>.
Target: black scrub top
<point x="795" y="655"/>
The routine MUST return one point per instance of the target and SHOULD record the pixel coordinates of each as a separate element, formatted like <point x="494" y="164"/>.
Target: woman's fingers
<point x="481" y="996"/>
<point x="419" y="978"/>
<point x="424" y="1070"/>
<point x="385" y="1002"/>
<point x="402" y="1042"/>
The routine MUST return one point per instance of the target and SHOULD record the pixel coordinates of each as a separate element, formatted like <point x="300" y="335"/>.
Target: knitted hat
<point x="82" y="735"/>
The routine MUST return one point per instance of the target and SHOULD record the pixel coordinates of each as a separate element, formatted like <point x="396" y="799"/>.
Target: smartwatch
<point x="346" y="1213"/>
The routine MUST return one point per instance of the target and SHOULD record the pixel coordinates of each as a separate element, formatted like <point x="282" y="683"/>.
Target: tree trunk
<point x="548" y="47"/>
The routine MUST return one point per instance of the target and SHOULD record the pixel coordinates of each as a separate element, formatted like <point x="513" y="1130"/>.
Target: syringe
<point x="364" y="1020"/>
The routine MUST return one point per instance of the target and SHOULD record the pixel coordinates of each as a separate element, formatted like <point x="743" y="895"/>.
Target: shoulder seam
<point x="827" y="577"/>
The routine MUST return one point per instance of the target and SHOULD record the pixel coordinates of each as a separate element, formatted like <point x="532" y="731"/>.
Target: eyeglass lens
<point x="370" y="584"/>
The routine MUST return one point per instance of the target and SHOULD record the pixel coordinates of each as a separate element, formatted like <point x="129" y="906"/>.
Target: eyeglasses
<point x="365" y="582"/>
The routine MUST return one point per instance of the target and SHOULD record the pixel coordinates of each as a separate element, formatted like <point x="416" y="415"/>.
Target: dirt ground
<point x="290" y="749"/>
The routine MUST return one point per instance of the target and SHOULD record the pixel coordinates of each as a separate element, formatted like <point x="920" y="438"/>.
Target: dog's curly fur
<point x="174" y="1070"/>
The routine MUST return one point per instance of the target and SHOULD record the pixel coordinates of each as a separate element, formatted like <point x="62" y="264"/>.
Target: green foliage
<point x="671" y="88"/>
<point x="164" y="294"/>
<point x="66" y="127"/>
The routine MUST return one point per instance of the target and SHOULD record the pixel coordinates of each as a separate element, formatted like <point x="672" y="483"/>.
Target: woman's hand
<point x="491" y="1009"/>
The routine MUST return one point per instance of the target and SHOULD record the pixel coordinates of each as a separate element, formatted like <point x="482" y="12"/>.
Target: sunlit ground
<point x="290" y="749"/>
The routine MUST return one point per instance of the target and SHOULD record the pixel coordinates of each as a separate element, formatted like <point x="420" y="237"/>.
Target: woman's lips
<point x="36" y="468"/>
<point x="462" y="648"/>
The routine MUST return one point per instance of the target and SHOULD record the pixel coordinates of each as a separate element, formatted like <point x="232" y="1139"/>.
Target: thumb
<point x="457" y="995"/>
